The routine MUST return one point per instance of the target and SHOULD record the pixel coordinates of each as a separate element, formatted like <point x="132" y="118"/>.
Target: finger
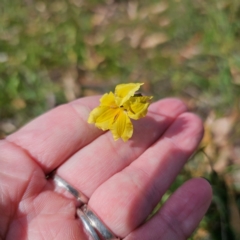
<point x="28" y="209"/>
<point x="51" y="138"/>
<point x="180" y="215"/>
<point x="17" y="170"/>
<point x="103" y="157"/>
<point x="45" y="215"/>
<point x="134" y="192"/>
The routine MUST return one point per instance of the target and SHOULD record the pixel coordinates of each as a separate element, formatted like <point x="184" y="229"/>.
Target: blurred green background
<point x="52" y="52"/>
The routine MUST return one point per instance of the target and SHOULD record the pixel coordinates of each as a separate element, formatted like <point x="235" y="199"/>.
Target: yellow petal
<point x="137" y="107"/>
<point x="122" y="127"/>
<point x="124" y="91"/>
<point x="103" y="117"/>
<point x="108" y="99"/>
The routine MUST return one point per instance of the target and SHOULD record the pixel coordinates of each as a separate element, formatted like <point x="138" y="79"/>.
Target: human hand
<point x="123" y="181"/>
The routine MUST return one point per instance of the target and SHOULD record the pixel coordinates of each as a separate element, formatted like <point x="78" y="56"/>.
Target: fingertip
<point x="172" y="107"/>
<point x="204" y="187"/>
<point x="186" y="131"/>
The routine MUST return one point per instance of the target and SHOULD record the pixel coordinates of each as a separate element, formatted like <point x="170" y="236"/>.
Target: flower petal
<point x="108" y="99"/>
<point x="103" y="117"/>
<point x="124" y="91"/>
<point x="122" y="127"/>
<point x="137" y="107"/>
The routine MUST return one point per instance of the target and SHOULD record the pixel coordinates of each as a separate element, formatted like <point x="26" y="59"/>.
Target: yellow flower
<point x="117" y="108"/>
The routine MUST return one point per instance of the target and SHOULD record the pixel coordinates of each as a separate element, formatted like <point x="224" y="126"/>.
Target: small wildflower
<point x="116" y="109"/>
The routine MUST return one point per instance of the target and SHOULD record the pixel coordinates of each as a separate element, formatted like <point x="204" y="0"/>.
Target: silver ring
<point x="89" y="230"/>
<point x="80" y="197"/>
<point x="97" y="224"/>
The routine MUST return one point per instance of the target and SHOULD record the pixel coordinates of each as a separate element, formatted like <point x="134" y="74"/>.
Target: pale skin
<point x="123" y="181"/>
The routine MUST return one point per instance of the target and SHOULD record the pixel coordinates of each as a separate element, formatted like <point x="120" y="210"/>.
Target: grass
<point x="53" y="52"/>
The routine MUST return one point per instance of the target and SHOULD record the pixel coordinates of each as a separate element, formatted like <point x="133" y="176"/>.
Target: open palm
<point x="124" y="181"/>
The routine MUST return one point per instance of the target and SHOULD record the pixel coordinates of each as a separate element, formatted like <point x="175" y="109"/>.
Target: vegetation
<point x="55" y="51"/>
